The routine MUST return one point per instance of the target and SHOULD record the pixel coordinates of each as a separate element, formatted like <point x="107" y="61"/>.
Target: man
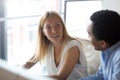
<point x="104" y="35"/>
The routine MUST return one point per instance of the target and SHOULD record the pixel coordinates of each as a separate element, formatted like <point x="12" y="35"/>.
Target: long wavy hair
<point x="43" y="42"/>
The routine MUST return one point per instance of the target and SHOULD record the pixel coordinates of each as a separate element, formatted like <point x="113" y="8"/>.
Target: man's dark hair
<point x="106" y="24"/>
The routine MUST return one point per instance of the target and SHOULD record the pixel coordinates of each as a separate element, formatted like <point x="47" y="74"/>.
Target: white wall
<point x="111" y="4"/>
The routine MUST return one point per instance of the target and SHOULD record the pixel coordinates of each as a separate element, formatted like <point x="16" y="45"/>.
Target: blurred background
<point x="19" y="21"/>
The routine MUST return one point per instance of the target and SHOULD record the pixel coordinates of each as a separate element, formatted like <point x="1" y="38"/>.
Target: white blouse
<point x="80" y="70"/>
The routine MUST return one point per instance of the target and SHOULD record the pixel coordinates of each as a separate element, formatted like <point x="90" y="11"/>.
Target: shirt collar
<point x="108" y="51"/>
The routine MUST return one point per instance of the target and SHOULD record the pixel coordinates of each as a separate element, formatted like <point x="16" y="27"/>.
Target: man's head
<point x="104" y="29"/>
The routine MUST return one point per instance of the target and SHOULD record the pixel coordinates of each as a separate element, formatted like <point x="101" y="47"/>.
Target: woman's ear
<point x="43" y="32"/>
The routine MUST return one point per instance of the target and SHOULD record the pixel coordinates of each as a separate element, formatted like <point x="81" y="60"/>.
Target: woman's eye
<point x="48" y="27"/>
<point x="58" y="25"/>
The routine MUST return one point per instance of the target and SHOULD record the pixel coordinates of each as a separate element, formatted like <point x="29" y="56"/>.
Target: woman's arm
<point x="68" y="64"/>
<point x="31" y="62"/>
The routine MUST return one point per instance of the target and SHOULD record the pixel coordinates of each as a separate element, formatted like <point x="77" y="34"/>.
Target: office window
<point x="22" y="19"/>
<point x="77" y="13"/>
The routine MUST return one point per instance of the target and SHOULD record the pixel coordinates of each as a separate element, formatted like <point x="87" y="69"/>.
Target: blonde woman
<point x="62" y="54"/>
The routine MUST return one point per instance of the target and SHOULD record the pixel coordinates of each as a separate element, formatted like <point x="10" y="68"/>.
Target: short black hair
<point x="106" y="24"/>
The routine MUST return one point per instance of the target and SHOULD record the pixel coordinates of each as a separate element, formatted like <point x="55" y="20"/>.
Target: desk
<point x="8" y="72"/>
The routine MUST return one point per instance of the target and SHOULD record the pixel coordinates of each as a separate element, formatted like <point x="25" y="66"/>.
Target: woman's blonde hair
<point x="43" y="42"/>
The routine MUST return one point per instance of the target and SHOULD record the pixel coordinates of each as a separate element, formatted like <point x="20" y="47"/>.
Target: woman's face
<point x="53" y="29"/>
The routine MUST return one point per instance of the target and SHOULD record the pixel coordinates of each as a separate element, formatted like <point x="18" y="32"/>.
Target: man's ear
<point x="104" y="44"/>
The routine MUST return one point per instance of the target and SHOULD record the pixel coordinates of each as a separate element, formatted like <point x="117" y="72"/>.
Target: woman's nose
<point x="54" y="30"/>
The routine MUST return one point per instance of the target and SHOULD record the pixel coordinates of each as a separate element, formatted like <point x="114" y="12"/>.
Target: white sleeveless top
<point x="80" y="70"/>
